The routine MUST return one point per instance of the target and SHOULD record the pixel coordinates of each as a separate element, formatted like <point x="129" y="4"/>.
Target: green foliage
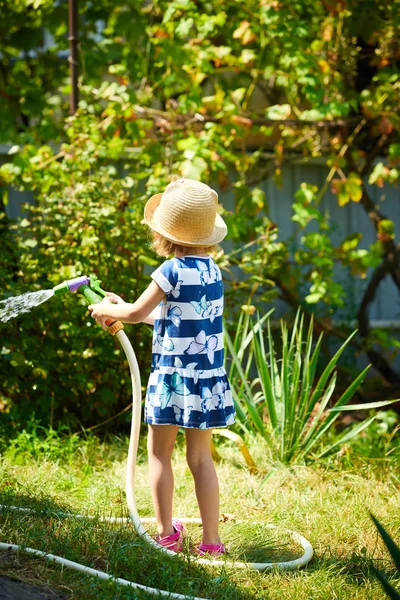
<point x="348" y="189"/>
<point x="56" y="362"/>
<point x="288" y="402"/>
<point x="36" y="442"/>
<point x="226" y="93"/>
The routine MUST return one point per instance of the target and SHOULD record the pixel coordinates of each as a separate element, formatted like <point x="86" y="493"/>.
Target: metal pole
<point x="73" y="53"/>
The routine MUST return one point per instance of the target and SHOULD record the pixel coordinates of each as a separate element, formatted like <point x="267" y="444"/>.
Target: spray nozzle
<point x="90" y="287"/>
<point x="71" y="286"/>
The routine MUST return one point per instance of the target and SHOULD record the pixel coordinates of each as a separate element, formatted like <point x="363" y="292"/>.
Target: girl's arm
<point x="150" y="318"/>
<point x="138" y="312"/>
<point x="118" y="300"/>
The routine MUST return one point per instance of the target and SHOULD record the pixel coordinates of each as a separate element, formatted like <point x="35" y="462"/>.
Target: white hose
<point x="130" y="482"/>
<point x="138" y="523"/>
<point x="99" y="574"/>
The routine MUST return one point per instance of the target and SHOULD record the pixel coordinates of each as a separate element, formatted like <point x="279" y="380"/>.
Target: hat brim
<point x="150" y="218"/>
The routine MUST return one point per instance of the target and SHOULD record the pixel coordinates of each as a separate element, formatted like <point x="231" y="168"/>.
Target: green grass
<point x="328" y="503"/>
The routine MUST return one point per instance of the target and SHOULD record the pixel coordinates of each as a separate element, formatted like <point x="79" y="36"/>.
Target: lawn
<point x="327" y="502"/>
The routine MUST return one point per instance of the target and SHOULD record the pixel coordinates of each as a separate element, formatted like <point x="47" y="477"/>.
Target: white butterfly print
<point x="178" y="363"/>
<point x="165" y="341"/>
<point x="208" y="272"/>
<point x="230" y="420"/>
<point x="174" y="313"/>
<point x="158" y="337"/>
<point x="182" y="414"/>
<point x="212" y="400"/>
<point x="192" y="366"/>
<point x="203" y="344"/>
<point x="168" y="344"/>
<point x="177" y="290"/>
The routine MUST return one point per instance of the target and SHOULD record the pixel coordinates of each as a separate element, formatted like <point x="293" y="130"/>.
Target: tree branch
<point x="377" y="359"/>
<point x="390" y="250"/>
<point x="249" y="119"/>
<point x="258" y="120"/>
<point x="373" y="155"/>
<point x="320" y="324"/>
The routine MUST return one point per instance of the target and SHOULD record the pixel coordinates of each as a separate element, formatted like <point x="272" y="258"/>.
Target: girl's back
<point x="188" y="326"/>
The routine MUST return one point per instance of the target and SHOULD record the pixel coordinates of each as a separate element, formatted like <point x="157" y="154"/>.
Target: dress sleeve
<point x="166" y="276"/>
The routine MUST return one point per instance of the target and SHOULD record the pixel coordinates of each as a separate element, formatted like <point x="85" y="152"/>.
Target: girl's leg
<point x="160" y="445"/>
<point x="199" y="459"/>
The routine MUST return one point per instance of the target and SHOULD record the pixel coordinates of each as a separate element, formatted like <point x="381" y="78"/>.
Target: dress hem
<point x="224" y="426"/>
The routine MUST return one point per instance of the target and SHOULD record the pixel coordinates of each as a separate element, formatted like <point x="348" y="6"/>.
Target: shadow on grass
<point x="253" y="542"/>
<point x="111" y="547"/>
<point x="358" y="568"/>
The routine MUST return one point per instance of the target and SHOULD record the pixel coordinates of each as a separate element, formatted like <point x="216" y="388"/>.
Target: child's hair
<point x="164" y="247"/>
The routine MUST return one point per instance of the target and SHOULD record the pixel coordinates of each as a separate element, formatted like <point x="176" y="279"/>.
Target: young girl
<point x="188" y="386"/>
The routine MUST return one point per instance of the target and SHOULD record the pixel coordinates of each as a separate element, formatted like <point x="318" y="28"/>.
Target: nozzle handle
<point x="93" y="297"/>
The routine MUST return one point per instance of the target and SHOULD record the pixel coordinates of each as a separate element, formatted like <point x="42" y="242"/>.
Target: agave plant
<point x="286" y="401"/>
<point x="394" y="551"/>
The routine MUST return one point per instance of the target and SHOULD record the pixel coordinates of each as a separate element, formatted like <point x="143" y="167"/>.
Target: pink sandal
<point x="174" y="541"/>
<point x="211" y="549"/>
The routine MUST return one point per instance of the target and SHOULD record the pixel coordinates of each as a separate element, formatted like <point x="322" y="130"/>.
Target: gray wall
<point x="15" y="199"/>
<point x="345" y="220"/>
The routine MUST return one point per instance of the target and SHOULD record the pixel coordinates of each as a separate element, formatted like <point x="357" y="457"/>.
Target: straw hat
<point x="186" y="213"/>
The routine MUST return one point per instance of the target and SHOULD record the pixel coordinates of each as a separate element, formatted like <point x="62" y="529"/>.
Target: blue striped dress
<point x="188" y="385"/>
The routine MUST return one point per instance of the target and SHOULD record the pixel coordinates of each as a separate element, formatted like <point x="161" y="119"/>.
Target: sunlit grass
<point x="328" y="503"/>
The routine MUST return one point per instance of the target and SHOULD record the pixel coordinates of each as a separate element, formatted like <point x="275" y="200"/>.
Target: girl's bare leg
<point x="199" y="459"/>
<point x="160" y="445"/>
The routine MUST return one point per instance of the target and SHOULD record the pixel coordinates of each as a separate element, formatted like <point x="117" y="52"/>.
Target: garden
<point x="291" y="112"/>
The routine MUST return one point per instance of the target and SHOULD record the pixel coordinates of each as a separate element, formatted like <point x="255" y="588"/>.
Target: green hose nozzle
<point x="90" y="287"/>
<point x="88" y="284"/>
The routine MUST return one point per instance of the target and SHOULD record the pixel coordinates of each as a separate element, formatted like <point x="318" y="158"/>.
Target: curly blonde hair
<point x="164" y="247"/>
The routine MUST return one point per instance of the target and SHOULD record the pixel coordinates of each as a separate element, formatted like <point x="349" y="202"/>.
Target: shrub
<point x="56" y="363"/>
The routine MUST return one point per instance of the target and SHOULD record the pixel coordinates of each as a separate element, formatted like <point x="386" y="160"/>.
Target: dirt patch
<point x="15" y="590"/>
<point x="23" y="578"/>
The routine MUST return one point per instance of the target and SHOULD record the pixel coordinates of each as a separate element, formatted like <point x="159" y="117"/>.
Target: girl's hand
<point x="114" y="299"/>
<point x="114" y="308"/>
<point x="99" y="312"/>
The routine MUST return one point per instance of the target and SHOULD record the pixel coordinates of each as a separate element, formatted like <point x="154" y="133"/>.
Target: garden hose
<point x="90" y="286"/>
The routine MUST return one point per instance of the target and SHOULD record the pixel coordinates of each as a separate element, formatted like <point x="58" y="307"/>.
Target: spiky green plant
<point x="287" y="402"/>
<point x="394" y="551"/>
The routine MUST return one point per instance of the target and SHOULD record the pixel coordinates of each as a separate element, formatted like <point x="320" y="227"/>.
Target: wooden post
<point x="73" y="53"/>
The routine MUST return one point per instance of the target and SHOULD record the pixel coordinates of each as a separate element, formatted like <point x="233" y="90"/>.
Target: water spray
<point x="93" y="293"/>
